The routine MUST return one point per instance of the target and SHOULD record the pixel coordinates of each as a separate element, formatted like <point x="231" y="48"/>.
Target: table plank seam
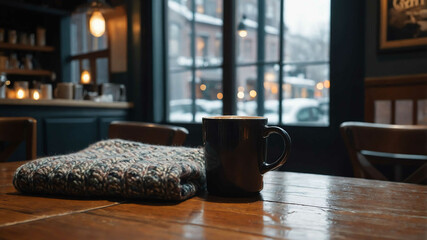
<point x="186" y="223"/>
<point x="38" y="218"/>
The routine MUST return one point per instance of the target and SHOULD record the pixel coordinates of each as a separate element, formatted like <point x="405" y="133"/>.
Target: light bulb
<point x="85" y="77"/>
<point x="97" y="24"/>
<point x="243" y="33"/>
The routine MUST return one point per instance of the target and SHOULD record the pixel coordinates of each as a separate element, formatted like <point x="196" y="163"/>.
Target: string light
<point x="327" y="84"/>
<point x="252" y="93"/>
<point x="240" y="95"/>
<point x="274" y="89"/>
<point x="219" y="96"/>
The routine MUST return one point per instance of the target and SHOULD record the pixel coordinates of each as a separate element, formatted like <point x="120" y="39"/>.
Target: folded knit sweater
<point x="117" y="168"/>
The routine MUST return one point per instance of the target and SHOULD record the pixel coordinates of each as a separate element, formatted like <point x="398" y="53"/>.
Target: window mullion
<point x="193" y="56"/>
<point x="281" y="58"/>
<point x="229" y="58"/>
<point x="261" y="57"/>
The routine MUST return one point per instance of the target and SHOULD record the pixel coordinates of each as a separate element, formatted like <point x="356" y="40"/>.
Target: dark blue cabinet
<point x="62" y="130"/>
<point x="69" y="134"/>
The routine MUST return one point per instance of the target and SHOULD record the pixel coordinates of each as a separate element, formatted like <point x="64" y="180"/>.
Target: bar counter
<point x="65" y="126"/>
<point x="66" y="103"/>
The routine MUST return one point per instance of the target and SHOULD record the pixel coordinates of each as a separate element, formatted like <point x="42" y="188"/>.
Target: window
<point x="282" y="65"/>
<point x="218" y="45"/>
<point x="88" y="53"/>
<point x="202" y="46"/>
<point x="174" y="40"/>
<point x="194" y="82"/>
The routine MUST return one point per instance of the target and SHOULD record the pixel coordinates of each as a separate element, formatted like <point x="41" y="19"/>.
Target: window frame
<point x="230" y="64"/>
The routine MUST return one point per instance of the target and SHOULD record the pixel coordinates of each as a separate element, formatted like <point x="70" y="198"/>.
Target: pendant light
<point x="95" y="9"/>
<point x="97" y="24"/>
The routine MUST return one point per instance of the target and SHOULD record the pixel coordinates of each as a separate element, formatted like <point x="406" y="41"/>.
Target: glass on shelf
<point x="3" y="80"/>
<point x="2" y="35"/>
<point x="23" y="38"/>
<point x="13" y="61"/>
<point x="41" y="36"/>
<point x="32" y="39"/>
<point x="12" y="36"/>
<point x="28" y="62"/>
<point x="3" y="62"/>
<point x="35" y="94"/>
<point x="46" y="91"/>
<point x="21" y="89"/>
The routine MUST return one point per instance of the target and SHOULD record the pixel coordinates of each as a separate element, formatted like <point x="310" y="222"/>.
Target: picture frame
<point x="403" y="23"/>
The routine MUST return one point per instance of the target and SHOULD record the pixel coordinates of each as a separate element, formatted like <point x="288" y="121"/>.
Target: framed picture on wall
<point x="403" y="23"/>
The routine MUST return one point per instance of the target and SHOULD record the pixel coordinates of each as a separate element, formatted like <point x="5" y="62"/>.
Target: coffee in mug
<point x="235" y="154"/>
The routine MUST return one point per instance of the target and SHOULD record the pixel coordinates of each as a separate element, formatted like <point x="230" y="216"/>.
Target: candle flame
<point x="36" y="95"/>
<point x="20" y="94"/>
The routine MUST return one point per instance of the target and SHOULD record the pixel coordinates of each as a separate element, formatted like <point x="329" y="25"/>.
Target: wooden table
<point x="291" y="206"/>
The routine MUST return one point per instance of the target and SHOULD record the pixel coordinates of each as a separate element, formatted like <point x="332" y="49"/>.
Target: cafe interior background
<point x="175" y="61"/>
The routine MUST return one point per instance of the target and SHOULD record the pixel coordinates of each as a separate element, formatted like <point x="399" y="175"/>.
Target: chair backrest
<point x="385" y="144"/>
<point x="150" y="133"/>
<point x="14" y="131"/>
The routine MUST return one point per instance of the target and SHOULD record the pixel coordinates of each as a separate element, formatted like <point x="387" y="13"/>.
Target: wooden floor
<point x="291" y="206"/>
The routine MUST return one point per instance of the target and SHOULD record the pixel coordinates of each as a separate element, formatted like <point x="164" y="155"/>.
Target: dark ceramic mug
<point x="235" y="154"/>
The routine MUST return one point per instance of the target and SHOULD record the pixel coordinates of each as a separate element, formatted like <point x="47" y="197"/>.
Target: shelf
<point x="34" y="7"/>
<point x="27" y="72"/>
<point x="26" y="47"/>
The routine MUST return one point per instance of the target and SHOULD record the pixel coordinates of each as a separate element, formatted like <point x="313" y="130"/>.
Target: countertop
<point x="67" y="103"/>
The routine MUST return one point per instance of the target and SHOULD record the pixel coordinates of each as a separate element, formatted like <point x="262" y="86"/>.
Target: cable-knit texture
<point x="117" y="168"/>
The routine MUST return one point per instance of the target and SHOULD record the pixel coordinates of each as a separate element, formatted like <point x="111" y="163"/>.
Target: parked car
<point x="180" y="109"/>
<point x="296" y="111"/>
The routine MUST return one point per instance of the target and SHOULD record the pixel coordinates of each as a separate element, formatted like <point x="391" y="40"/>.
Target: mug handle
<point x="265" y="167"/>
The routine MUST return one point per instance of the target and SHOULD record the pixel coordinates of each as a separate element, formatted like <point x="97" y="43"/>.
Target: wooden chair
<point x="150" y="133"/>
<point x="372" y="145"/>
<point x="14" y="131"/>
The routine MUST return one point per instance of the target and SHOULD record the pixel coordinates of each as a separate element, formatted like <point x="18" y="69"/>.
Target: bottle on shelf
<point x="3" y="80"/>
<point x="3" y="61"/>
<point x="14" y="62"/>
